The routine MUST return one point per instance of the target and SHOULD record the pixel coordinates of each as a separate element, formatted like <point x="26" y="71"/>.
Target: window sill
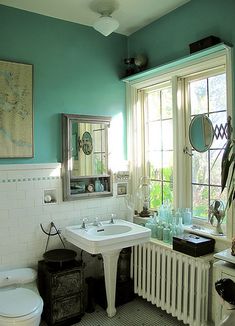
<point x="195" y="229"/>
<point x="207" y="232"/>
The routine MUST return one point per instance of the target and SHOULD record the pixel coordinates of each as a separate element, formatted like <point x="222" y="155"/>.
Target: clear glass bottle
<point x="97" y="185"/>
<point x="166" y="234"/>
<point x="162" y="213"/>
<point x="187" y="216"/>
<point x="151" y="225"/>
<point x="172" y="233"/>
<point x="155" y="222"/>
<point x="179" y="227"/>
<point x="160" y="231"/>
<point x="154" y="230"/>
<point x="173" y="218"/>
<point x="169" y="215"/>
<point x="177" y="216"/>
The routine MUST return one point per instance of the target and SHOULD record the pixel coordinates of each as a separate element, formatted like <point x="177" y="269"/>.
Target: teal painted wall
<point x="76" y="70"/>
<point x="169" y="37"/>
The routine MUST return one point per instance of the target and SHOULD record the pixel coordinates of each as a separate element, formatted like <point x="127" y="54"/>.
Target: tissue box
<point x="193" y="245"/>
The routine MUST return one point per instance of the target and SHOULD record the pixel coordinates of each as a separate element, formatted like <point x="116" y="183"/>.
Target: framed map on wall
<point x="16" y="110"/>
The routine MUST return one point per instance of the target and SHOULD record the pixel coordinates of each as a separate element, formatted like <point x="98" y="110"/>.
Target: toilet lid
<point x="18" y="302"/>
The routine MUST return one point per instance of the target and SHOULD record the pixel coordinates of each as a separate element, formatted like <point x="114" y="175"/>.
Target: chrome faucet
<point x="96" y="222"/>
<point x="83" y="226"/>
<point x="111" y="221"/>
<point x="112" y="218"/>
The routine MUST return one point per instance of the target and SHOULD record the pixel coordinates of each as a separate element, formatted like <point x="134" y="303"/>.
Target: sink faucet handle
<point x="84" y="220"/>
<point x="113" y="216"/>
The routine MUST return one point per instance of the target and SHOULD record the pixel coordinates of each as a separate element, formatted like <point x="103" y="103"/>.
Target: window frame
<point x="175" y="72"/>
<point x="160" y="87"/>
<point x="186" y="81"/>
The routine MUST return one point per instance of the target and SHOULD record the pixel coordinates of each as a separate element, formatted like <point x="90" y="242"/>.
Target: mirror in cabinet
<point x="85" y="157"/>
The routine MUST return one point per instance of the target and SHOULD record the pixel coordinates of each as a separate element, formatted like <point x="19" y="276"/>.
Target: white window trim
<point x="220" y="56"/>
<point x="187" y="80"/>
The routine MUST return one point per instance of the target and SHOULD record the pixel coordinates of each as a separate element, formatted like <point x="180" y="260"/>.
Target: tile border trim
<point x="38" y="166"/>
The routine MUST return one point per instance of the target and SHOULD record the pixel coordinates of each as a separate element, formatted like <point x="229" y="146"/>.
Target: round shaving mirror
<point x="201" y="133"/>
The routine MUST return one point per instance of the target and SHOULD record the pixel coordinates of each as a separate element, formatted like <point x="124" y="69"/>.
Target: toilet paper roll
<point x="47" y="199"/>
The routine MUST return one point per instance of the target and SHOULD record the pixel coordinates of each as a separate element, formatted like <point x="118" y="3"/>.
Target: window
<point x="158" y="119"/>
<point x="160" y="110"/>
<point x="206" y="94"/>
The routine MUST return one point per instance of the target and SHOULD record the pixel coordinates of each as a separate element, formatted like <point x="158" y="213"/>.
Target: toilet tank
<point x="17" y="276"/>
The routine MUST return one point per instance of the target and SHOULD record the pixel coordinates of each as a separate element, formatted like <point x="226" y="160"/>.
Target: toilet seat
<point x="18" y="302"/>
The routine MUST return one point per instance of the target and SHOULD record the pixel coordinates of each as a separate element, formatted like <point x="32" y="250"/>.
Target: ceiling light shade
<point x="106" y="25"/>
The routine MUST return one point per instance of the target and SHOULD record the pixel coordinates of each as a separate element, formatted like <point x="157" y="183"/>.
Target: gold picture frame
<point x="16" y="110"/>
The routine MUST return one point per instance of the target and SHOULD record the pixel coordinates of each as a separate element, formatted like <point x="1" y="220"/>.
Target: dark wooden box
<point x="204" y="43"/>
<point x="62" y="291"/>
<point x="193" y="245"/>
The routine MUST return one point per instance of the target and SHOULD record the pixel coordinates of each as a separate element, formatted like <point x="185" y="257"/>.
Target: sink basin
<point x="99" y="239"/>
<point x="112" y="229"/>
<point x="108" y="239"/>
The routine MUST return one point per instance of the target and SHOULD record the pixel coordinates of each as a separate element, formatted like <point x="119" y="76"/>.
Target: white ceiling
<point x="131" y="14"/>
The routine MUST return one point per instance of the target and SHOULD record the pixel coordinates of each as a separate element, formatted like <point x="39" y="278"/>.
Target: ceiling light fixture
<point x="106" y="24"/>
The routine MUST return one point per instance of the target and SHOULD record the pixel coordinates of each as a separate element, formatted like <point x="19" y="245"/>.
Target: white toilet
<point x="20" y="302"/>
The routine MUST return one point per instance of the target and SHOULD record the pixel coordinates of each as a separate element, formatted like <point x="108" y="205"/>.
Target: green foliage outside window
<point x="161" y="190"/>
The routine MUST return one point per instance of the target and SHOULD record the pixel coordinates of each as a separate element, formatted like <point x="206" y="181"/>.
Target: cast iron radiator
<point x="173" y="281"/>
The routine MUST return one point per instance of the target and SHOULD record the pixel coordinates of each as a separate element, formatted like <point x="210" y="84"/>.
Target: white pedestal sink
<point x="110" y="275"/>
<point x="108" y="239"/>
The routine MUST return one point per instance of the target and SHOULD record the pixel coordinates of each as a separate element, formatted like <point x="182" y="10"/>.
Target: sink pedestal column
<point x="110" y="259"/>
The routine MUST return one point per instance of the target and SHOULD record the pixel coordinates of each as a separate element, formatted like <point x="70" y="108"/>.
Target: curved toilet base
<point x="29" y="320"/>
